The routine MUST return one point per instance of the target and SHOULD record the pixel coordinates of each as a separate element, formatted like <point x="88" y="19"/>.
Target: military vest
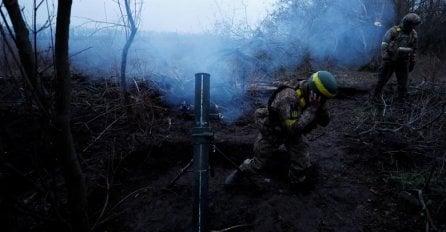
<point x="402" y="45"/>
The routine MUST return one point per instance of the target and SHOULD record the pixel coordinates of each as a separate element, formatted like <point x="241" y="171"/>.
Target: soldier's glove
<point x="411" y="65"/>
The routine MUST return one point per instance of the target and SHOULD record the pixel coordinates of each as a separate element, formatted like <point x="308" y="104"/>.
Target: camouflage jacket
<point x="289" y="113"/>
<point x="398" y="45"/>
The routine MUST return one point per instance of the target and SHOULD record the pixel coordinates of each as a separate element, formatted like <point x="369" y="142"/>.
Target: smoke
<point x="168" y="61"/>
<point x="345" y="31"/>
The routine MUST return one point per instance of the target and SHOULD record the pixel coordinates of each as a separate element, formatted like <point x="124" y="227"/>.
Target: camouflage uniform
<point x="291" y="120"/>
<point x="398" y="51"/>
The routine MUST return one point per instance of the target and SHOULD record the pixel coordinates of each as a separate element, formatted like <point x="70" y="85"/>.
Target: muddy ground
<point x="130" y="163"/>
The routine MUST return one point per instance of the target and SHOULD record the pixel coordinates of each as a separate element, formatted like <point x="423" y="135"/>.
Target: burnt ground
<point x="130" y="162"/>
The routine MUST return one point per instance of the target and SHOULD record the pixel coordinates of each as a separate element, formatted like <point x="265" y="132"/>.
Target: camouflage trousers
<point x="264" y="150"/>
<point x="387" y="68"/>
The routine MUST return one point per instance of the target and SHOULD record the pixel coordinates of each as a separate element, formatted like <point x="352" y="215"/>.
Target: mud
<point x="130" y="167"/>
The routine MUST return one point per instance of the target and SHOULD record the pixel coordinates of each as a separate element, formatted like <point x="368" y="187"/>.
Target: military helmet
<point x="323" y="83"/>
<point x="410" y="20"/>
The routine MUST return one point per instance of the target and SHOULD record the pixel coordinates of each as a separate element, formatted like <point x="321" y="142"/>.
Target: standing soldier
<point x="291" y="112"/>
<point x="398" y="50"/>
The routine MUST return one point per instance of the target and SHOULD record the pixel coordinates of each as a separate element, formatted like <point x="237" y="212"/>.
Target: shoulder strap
<point x="274" y="94"/>
<point x="397" y="32"/>
<point x="303" y="94"/>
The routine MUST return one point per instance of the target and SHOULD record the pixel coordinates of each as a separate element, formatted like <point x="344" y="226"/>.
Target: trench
<point x="259" y="209"/>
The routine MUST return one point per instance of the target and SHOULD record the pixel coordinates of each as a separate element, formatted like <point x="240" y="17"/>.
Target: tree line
<point x="432" y="31"/>
<point x="20" y="50"/>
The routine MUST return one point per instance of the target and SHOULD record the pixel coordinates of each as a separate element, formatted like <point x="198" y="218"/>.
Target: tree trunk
<point x="25" y="50"/>
<point x="21" y="38"/>
<point x="74" y="178"/>
<point x="125" y="50"/>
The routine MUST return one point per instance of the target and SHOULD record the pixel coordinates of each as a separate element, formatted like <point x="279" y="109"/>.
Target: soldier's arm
<point x="386" y="43"/>
<point x="306" y="119"/>
<point x="414" y="47"/>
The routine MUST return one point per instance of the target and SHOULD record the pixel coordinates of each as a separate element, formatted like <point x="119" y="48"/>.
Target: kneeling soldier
<point x="291" y="112"/>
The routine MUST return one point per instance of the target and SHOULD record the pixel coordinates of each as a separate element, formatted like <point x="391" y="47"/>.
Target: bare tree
<point x="131" y="28"/>
<point x="74" y="178"/>
<point x="25" y="49"/>
<point x="73" y="175"/>
<point x="21" y="37"/>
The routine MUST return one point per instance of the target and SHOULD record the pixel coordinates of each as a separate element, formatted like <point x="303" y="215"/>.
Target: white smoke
<point x="349" y="35"/>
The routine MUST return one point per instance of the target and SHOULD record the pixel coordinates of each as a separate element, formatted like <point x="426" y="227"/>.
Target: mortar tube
<point x="202" y="136"/>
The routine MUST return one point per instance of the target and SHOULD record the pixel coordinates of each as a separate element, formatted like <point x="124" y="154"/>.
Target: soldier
<point x="398" y="51"/>
<point x="291" y="112"/>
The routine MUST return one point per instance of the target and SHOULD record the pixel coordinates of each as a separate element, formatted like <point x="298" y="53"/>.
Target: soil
<point x="129" y="165"/>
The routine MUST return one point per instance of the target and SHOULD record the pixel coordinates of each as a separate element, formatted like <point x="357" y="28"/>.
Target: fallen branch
<point x="443" y="106"/>
<point x="121" y="201"/>
<point x="426" y="185"/>
<point x="429" y="222"/>
<point x="102" y="133"/>
<point x="180" y="174"/>
<point x="369" y="130"/>
<point x="233" y="228"/>
<point x="385" y="105"/>
<point x="101" y="214"/>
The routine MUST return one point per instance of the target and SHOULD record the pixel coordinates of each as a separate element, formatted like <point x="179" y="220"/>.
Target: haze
<point x="184" y="16"/>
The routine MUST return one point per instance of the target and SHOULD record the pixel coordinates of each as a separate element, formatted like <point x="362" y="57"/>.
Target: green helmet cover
<point x="323" y="83"/>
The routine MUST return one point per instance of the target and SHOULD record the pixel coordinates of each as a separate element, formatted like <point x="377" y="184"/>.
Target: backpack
<point x="273" y="114"/>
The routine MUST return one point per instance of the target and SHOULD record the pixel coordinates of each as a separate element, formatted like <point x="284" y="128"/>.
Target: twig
<point x="107" y="197"/>
<point x="44" y="69"/>
<point x="34" y="92"/>
<point x="317" y="136"/>
<point x="369" y="130"/>
<point x="436" y="118"/>
<point x="136" y="85"/>
<point x="122" y="200"/>
<point x="233" y="228"/>
<point x="102" y="133"/>
<point x="385" y="105"/>
<point x="180" y="173"/>
<point x="426" y="210"/>
<point x="426" y="185"/>
<point x="107" y="112"/>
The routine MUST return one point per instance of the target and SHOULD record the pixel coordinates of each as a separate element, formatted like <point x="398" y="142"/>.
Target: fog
<point x="344" y="31"/>
<point x="234" y="55"/>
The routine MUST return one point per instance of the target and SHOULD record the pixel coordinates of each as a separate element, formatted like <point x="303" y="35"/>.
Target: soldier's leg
<point x="264" y="147"/>
<point x="385" y="72"/>
<point x="402" y="75"/>
<point x="299" y="160"/>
